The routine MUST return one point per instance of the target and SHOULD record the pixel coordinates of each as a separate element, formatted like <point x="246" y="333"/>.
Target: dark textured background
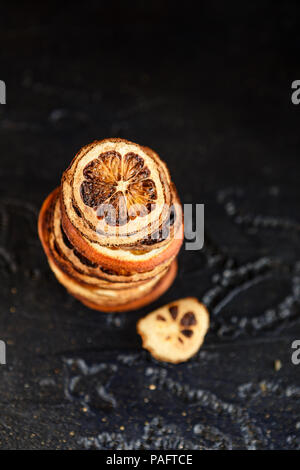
<point x="210" y="91"/>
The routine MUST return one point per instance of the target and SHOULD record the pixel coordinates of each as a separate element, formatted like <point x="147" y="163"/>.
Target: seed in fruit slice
<point x="175" y="332"/>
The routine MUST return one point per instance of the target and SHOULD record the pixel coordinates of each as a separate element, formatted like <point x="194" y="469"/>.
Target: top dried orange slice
<point x="117" y="192"/>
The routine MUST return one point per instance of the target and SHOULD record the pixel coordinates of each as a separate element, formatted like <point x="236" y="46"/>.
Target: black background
<point x="209" y="88"/>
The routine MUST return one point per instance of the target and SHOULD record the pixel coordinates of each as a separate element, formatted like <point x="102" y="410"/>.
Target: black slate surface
<point x="210" y="90"/>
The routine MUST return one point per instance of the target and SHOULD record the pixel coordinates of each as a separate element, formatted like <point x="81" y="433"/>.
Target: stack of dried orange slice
<point x="113" y="229"/>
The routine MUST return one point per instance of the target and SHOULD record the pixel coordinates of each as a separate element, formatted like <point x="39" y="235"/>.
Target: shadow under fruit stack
<point x="113" y="229"/>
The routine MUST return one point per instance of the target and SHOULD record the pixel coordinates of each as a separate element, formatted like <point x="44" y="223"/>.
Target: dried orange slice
<point x="117" y="203"/>
<point x="175" y="332"/>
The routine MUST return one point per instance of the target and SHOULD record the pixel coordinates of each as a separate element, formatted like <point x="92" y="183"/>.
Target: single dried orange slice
<point x="117" y="192"/>
<point x="175" y="332"/>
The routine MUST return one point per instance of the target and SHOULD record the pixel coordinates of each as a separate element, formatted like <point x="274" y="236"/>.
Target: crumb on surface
<point x="277" y="365"/>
